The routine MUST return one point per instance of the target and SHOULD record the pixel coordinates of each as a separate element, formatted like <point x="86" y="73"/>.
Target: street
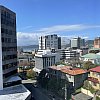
<point x="38" y="93"/>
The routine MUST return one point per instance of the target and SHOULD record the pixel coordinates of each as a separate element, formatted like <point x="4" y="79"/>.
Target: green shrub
<point x="31" y="74"/>
<point x="97" y="98"/>
<point x="88" y="86"/>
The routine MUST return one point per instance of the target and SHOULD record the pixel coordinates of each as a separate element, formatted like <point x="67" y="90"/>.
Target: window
<point x="2" y="39"/>
<point x="69" y="76"/>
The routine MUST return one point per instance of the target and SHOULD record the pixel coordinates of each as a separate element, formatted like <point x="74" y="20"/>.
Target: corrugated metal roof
<point x="91" y="55"/>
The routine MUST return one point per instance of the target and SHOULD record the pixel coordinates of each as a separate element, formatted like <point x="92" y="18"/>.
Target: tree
<point x="88" y="64"/>
<point x="31" y="74"/>
<point x="94" y="51"/>
<point x="43" y="78"/>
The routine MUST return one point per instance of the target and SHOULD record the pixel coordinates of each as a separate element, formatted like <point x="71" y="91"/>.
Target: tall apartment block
<point x="49" y="42"/>
<point x="97" y="42"/>
<point x="8" y="44"/>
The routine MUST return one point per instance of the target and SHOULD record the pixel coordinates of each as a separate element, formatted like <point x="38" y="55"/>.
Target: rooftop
<point x="60" y="67"/>
<point x="14" y="78"/>
<point x="95" y="49"/>
<point x="74" y="71"/>
<point x="42" y="53"/>
<point x="81" y="96"/>
<point x="91" y="55"/>
<point x="69" y="70"/>
<point x="96" y="69"/>
<point x="18" y="92"/>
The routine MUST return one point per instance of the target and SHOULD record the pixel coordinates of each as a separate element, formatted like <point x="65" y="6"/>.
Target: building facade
<point x="97" y="42"/>
<point x="45" y="59"/>
<point x="69" y="54"/>
<point x="92" y="84"/>
<point x="73" y="76"/>
<point x="77" y="43"/>
<point x="94" y="78"/>
<point x="49" y="42"/>
<point x="8" y="44"/>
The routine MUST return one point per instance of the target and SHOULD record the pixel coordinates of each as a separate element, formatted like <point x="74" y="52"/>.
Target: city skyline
<point x="65" y="18"/>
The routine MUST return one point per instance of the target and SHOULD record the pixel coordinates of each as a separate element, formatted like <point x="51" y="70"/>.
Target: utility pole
<point x="65" y="91"/>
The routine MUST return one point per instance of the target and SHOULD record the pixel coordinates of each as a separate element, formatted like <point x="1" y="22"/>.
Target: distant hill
<point x="28" y="48"/>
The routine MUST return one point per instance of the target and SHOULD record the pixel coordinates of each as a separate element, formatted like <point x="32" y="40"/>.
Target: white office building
<point x="49" y="42"/>
<point x="69" y="54"/>
<point x="77" y="43"/>
<point x="45" y="59"/>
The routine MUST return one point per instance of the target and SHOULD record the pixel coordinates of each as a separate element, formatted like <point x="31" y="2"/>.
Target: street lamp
<point x="65" y="91"/>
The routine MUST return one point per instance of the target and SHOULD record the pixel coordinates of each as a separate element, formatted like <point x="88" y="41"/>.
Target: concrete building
<point x="10" y="83"/>
<point x="8" y="45"/>
<point x="82" y="43"/>
<point x="59" y="42"/>
<point x="49" y="42"/>
<point x="25" y="58"/>
<point x="77" y="43"/>
<point x="97" y="42"/>
<point x="69" y="54"/>
<point x="45" y="58"/>
<point x="65" y="42"/>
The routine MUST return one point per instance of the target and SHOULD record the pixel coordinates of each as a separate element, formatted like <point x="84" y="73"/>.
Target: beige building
<point x="94" y="77"/>
<point x="97" y="42"/>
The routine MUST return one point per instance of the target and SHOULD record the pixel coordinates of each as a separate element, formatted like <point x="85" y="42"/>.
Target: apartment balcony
<point x="94" y="76"/>
<point x="94" y="80"/>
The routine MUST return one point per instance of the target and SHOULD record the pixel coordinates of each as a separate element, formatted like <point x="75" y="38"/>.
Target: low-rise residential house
<point x="74" y="76"/>
<point x="94" y="58"/>
<point x="91" y="86"/>
<point x="94" y="78"/>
